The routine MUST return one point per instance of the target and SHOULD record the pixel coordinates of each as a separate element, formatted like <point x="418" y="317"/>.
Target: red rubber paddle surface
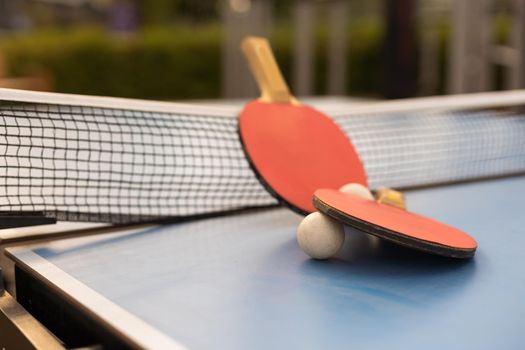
<point x="395" y="224"/>
<point x="295" y="150"/>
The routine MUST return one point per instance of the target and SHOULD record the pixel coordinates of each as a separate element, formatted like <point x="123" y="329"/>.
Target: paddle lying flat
<point x="293" y="148"/>
<point x="395" y="224"/>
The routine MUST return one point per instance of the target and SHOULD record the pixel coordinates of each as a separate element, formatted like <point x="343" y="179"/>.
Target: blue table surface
<point x="241" y="281"/>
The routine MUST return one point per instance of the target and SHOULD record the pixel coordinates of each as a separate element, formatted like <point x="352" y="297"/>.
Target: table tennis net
<point x="122" y="165"/>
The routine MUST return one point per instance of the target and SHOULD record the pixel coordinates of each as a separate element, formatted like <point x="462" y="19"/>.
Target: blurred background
<point x="188" y="49"/>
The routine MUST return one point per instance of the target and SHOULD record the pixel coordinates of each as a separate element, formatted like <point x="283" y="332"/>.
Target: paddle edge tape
<point x="341" y="160"/>
<point x="398" y="238"/>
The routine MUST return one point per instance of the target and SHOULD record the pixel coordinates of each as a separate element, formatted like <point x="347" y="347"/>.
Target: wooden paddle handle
<point x="264" y="68"/>
<point x="391" y="197"/>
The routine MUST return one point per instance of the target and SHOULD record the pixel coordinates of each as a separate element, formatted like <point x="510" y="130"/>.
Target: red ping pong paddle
<point x="293" y="148"/>
<point x="395" y="224"/>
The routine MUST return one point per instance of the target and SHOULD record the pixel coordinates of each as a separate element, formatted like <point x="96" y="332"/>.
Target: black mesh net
<point x="117" y="165"/>
<point x="124" y="165"/>
<point x="435" y="146"/>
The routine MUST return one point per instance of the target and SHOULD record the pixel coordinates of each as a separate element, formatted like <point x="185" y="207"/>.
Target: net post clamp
<point x="2" y="287"/>
<point x="16" y="219"/>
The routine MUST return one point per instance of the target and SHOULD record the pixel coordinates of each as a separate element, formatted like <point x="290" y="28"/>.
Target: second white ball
<point x="357" y="190"/>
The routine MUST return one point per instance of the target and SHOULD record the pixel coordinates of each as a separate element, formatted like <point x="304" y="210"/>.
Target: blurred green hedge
<point x="154" y="64"/>
<point x="184" y="61"/>
<point x="168" y="62"/>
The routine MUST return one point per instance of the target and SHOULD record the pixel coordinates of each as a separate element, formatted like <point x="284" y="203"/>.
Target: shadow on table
<point x="372" y="266"/>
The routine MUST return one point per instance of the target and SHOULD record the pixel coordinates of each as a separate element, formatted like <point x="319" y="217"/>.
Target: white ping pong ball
<point x="357" y="190"/>
<point x="320" y="236"/>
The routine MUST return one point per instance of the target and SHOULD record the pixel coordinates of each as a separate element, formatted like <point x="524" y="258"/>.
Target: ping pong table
<point x="241" y="281"/>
